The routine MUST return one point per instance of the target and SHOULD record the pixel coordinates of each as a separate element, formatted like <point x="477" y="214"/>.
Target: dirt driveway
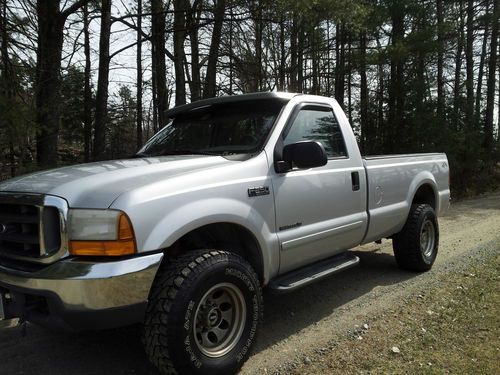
<point x="294" y="324"/>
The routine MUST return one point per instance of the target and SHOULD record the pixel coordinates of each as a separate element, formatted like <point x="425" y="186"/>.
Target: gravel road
<point x="294" y="324"/>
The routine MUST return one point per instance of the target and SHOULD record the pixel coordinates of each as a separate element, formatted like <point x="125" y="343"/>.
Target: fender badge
<point x="290" y="226"/>
<point x="258" y="191"/>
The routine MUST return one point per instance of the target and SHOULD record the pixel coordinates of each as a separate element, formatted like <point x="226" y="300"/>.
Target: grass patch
<point x="452" y="328"/>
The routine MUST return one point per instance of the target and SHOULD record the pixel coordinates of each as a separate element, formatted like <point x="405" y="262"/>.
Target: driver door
<point x="319" y="212"/>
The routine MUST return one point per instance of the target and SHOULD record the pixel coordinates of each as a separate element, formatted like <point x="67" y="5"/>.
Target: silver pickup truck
<point x="233" y="195"/>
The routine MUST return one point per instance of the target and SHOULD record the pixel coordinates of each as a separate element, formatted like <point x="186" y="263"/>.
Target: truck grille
<point x="19" y="230"/>
<point x="32" y="227"/>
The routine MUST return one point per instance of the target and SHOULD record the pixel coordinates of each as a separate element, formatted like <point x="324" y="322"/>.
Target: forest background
<point x="84" y="80"/>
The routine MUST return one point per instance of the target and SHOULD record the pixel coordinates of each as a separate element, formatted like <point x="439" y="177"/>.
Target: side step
<point x="314" y="272"/>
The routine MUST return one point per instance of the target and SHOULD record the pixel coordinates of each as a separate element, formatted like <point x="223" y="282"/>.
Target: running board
<point x="312" y="273"/>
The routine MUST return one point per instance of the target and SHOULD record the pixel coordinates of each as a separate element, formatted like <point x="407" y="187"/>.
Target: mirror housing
<point x="304" y="155"/>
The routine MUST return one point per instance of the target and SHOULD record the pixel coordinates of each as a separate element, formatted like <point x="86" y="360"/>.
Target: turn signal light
<point x="124" y="245"/>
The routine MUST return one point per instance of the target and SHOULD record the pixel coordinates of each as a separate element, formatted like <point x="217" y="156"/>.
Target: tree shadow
<point x="119" y="351"/>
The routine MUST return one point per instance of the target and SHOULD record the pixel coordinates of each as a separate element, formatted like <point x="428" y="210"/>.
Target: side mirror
<point x="304" y="154"/>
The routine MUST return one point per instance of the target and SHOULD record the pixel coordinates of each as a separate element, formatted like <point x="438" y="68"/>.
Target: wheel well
<point x="223" y="236"/>
<point x="425" y="194"/>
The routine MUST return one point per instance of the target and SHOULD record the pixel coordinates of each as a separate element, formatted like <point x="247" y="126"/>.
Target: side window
<point x="317" y="124"/>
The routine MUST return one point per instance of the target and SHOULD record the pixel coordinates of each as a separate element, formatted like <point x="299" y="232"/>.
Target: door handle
<point x="355" y="181"/>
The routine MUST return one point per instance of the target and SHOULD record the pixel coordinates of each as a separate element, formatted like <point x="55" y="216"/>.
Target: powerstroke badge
<point x="258" y="191"/>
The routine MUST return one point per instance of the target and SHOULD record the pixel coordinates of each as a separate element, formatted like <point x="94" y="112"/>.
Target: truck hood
<point x="97" y="185"/>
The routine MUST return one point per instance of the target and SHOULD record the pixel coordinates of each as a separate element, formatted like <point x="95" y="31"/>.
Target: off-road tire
<point x="181" y="285"/>
<point x="409" y="245"/>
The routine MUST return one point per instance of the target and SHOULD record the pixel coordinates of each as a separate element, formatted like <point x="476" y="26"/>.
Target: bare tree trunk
<point x="458" y="70"/>
<point x="193" y="22"/>
<point x="282" y="69"/>
<point x="101" y="111"/>
<point x="300" y="58"/>
<point x="155" y="98"/>
<point x="139" y="77"/>
<point x="179" y="38"/>
<point x="480" y="74"/>
<point x="87" y="95"/>
<point x="396" y="86"/>
<point x="213" y="56"/>
<point x="415" y="131"/>
<point x="340" y="64"/>
<point x="363" y="94"/>
<point x="440" y="61"/>
<point x="469" y="57"/>
<point x="490" y="90"/>
<point x="258" y="44"/>
<point x="293" y="54"/>
<point x="6" y="85"/>
<point x="342" y="71"/>
<point x="328" y="59"/>
<point x="349" y="79"/>
<point x="314" y="60"/>
<point x="4" y="49"/>
<point x="158" y="41"/>
<point x="231" y="68"/>
<point x="381" y="134"/>
<point x="337" y="58"/>
<point x="48" y="80"/>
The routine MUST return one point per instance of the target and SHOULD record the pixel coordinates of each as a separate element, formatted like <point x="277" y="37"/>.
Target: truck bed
<point x="392" y="179"/>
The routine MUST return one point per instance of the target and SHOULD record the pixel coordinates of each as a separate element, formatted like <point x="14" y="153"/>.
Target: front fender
<point x="187" y="217"/>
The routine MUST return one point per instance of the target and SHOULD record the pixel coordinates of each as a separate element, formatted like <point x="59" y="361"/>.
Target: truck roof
<point x="229" y="99"/>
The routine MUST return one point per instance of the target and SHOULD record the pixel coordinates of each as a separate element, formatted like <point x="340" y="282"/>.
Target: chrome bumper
<point x="73" y="293"/>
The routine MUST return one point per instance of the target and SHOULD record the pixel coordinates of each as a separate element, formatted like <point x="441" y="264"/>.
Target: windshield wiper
<point x="188" y="152"/>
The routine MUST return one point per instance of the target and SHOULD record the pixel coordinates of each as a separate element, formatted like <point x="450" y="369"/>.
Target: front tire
<point x="416" y="246"/>
<point x="203" y="314"/>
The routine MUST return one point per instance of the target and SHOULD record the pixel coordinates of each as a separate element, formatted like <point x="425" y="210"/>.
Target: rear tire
<point x="416" y="246"/>
<point x="204" y="311"/>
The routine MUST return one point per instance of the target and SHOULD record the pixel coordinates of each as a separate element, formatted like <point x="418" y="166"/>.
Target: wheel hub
<point x="213" y="317"/>
<point x="427" y="238"/>
<point x="219" y="320"/>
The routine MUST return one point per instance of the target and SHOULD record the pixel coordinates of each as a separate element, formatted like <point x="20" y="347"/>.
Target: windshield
<point x="219" y="129"/>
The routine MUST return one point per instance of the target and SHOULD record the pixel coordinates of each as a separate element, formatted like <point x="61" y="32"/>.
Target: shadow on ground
<point x="119" y="351"/>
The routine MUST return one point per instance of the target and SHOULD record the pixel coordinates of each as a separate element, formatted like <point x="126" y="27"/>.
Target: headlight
<point x="100" y="232"/>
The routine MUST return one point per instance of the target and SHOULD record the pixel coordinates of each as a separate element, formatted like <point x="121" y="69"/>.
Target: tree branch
<point x="124" y="48"/>
<point x="73" y="8"/>
<point x="144" y="35"/>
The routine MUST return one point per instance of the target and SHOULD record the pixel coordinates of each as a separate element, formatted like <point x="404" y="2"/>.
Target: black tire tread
<point x="406" y="243"/>
<point x="171" y="276"/>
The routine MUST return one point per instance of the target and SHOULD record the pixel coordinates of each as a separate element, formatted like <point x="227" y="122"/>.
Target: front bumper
<point x="77" y="294"/>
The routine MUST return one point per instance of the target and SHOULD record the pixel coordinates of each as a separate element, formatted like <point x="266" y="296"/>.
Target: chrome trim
<point x="41" y="201"/>
<point x="41" y="235"/>
<point x="88" y="286"/>
<point x="395" y="156"/>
